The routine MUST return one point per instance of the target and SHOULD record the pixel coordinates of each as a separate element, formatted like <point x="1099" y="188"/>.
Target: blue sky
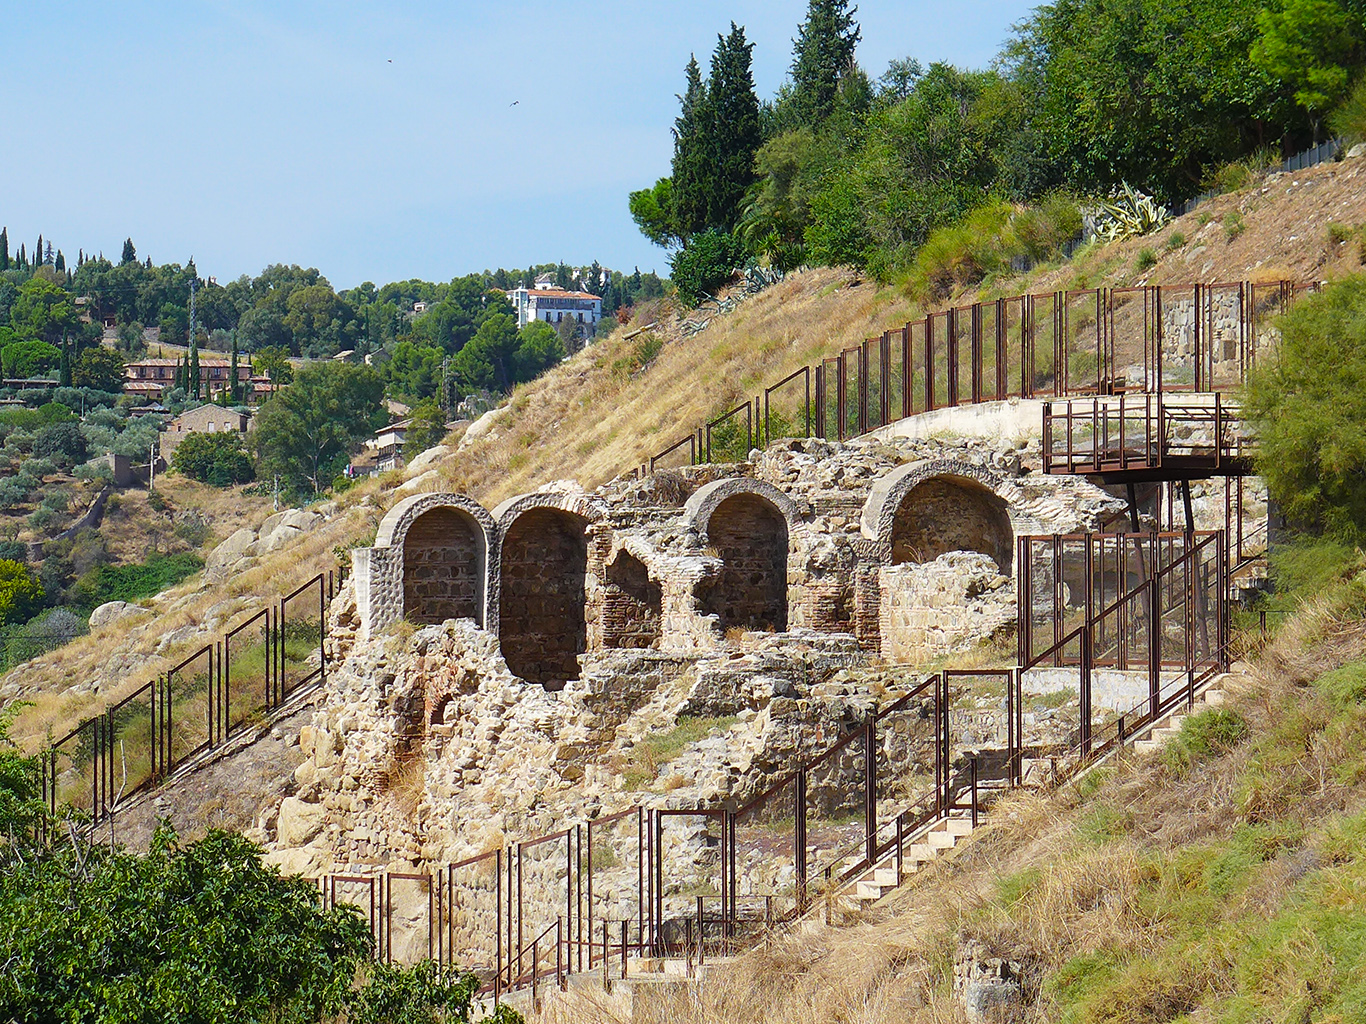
<point x="247" y="133"/>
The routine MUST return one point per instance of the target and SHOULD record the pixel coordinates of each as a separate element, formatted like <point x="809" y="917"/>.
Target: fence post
<point x="870" y="791"/>
<point x="799" y="838"/>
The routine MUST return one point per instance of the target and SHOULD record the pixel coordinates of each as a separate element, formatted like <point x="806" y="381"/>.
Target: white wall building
<point x="555" y="304"/>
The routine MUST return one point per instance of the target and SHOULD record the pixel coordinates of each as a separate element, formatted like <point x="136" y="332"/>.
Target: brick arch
<point x="750" y="525"/>
<point x="924" y="509"/>
<point x="445" y="545"/>
<point x="543" y="567"/>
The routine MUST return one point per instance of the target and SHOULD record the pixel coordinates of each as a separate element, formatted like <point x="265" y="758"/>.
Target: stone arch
<point x="544" y="581"/>
<point x="749" y="524"/>
<point x="443" y="544"/>
<point x="632" y="604"/>
<point x="925" y="509"/>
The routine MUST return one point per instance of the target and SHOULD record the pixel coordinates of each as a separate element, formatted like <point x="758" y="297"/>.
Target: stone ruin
<point x="557" y="641"/>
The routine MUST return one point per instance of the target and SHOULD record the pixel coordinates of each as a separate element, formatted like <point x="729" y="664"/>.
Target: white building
<point x="555" y="304"/>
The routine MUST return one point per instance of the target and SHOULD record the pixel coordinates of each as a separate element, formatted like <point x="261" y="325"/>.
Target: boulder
<point x="426" y="460"/>
<point x="299" y="822"/>
<point x="482" y="426"/>
<point x="1358" y="150"/>
<point x="284" y="527"/>
<point x="110" y="611"/>
<point x="308" y="862"/>
<point x="239" y="546"/>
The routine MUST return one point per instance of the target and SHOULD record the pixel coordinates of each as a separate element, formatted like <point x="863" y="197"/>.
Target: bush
<point x="1349" y="119"/>
<point x="1308" y="408"/>
<point x="21" y="595"/>
<point x="61" y="441"/>
<point x="220" y="459"/>
<point x="705" y="263"/>
<point x="1203" y="736"/>
<point x="133" y="582"/>
<point x="1147" y="259"/>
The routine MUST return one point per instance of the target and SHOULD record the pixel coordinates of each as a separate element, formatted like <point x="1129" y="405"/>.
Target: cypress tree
<point x="38" y="253"/>
<point x="822" y="54"/>
<point x="690" y="164"/>
<point x="234" y="391"/>
<point x="60" y="262"/>
<point x="23" y="260"/>
<point x="194" y="366"/>
<point x="735" y="131"/>
<point x="130" y="253"/>
<point x="4" y="248"/>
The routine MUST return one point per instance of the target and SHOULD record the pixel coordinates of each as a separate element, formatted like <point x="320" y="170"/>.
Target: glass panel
<point x="300" y="636"/>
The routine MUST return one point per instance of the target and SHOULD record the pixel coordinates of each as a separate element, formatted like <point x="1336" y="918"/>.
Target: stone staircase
<point x="886" y="875"/>
<point x="1164" y="729"/>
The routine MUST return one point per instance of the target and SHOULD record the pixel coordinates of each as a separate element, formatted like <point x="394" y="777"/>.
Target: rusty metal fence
<point x="1092" y="343"/>
<point x="193" y="708"/>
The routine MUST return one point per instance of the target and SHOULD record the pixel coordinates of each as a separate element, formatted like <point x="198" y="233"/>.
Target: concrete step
<point x="1214" y="698"/>
<point x="919" y="853"/>
<point x="884" y="876"/>
<point x="871" y="890"/>
<point x="958" y="826"/>
<point x="941" y="840"/>
<point x="1146" y="747"/>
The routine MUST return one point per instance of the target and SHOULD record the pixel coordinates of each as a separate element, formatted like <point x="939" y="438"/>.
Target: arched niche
<point x="925" y="509"/>
<point x="543" y="568"/>
<point x="441" y="544"/>
<point x="747" y="523"/>
<point x="632" y="604"/>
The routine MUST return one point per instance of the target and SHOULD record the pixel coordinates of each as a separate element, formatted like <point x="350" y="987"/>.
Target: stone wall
<point x="749" y="536"/>
<point x="950" y="604"/>
<point x="544" y="566"/>
<point x="632" y="604"/>
<point x="443" y="568"/>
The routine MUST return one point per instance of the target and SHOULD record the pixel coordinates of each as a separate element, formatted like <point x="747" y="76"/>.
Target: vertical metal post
<point x="799" y="838"/>
<point x="870" y="790"/>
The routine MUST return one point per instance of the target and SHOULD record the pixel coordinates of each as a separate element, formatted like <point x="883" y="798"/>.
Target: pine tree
<point x="735" y="133"/>
<point x="690" y="164"/>
<point x="130" y="253"/>
<point x="48" y="256"/>
<point x="194" y="366"/>
<point x="4" y="248"/>
<point x="822" y="54"/>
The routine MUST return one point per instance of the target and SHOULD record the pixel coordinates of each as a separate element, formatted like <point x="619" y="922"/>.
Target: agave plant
<point x="1126" y="213"/>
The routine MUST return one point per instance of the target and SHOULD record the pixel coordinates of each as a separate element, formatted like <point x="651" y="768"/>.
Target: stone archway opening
<point x="944" y="514"/>
<point x="749" y="535"/>
<point x="443" y="568"/>
<point x="542" y="626"/>
<point x="631" y="604"/>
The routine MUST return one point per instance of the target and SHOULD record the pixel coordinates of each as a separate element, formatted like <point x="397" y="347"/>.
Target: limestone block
<point x="308" y="862"/>
<point x="299" y="822"/>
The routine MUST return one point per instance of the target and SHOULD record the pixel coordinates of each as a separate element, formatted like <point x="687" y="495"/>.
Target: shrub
<point x="1203" y="736"/>
<point x="1147" y="259"/>
<point x="20" y="592"/>
<point x="63" y="442"/>
<point x="1349" y="119"/>
<point x="220" y="459"/>
<point x="1309" y="410"/>
<point x="705" y="263"/>
<point x="1175" y="241"/>
<point x="132" y="582"/>
<point x="1233" y="225"/>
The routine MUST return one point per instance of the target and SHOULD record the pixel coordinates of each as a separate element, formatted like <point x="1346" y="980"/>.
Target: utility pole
<point x="277" y="492"/>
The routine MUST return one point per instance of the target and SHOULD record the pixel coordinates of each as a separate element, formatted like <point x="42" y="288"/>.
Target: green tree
<point x="487" y="361"/>
<point x="218" y="458"/>
<point x="29" y="358"/>
<point x="62" y="442"/>
<point x="708" y="261"/>
<point x="21" y="595"/>
<point x="1310" y="46"/>
<point x="131" y="338"/>
<point x="1309" y="410"/>
<point x="42" y="310"/>
<point x="426" y="427"/>
<point x="306" y="432"/>
<point x="4" y="249"/>
<point x="130" y="253"/>
<point x="273" y="362"/>
<point x="823" y="53"/>
<point x="735" y="134"/>
<point x="234" y="385"/>
<point x="100" y="368"/>
<point x="690" y="182"/>
<point x="538" y="348"/>
<point x="653" y="211"/>
<point x="415" y="370"/>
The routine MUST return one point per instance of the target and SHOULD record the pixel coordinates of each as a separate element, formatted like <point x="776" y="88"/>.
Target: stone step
<point x="885" y="876"/>
<point x="1214" y="698"/>
<point x="871" y="890"/>
<point x="958" y="826"/>
<point x="918" y="853"/>
<point x="1146" y="747"/>
<point x="941" y="840"/>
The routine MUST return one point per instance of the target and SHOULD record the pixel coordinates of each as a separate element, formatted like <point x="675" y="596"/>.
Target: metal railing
<point x="193" y="708"/>
<point x="1099" y="342"/>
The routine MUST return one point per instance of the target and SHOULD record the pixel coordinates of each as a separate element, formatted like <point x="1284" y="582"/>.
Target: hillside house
<point x="150" y="378"/>
<point x="210" y="419"/>
<point x="555" y="304"/>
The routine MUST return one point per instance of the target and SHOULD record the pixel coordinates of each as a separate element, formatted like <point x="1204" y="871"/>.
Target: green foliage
<point x="218" y="458"/>
<point x="28" y="358"/>
<point x="1175" y="241"/>
<point x="823" y="55"/>
<point x="1234" y="225"/>
<point x="1146" y="259"/>
<point x="133" y="582"/>
<point x="306" y="432"/>
<point x="426" y="427"/>
<point x="1308" y="45"/>
<point x="653" y="211"/>
<point x="1128" y="213"/>
<point x="273" y="361"/>
<point x="538" y="349"/>
<point x="21" y="595"/>
<point x="414" y="369"/>
<point x="708" y="261"/>
<point x="1348" y="121"/>
<point x="1308" y="404"/>
<point x="61" y="442"/>
<point x="1204" y="735"/>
